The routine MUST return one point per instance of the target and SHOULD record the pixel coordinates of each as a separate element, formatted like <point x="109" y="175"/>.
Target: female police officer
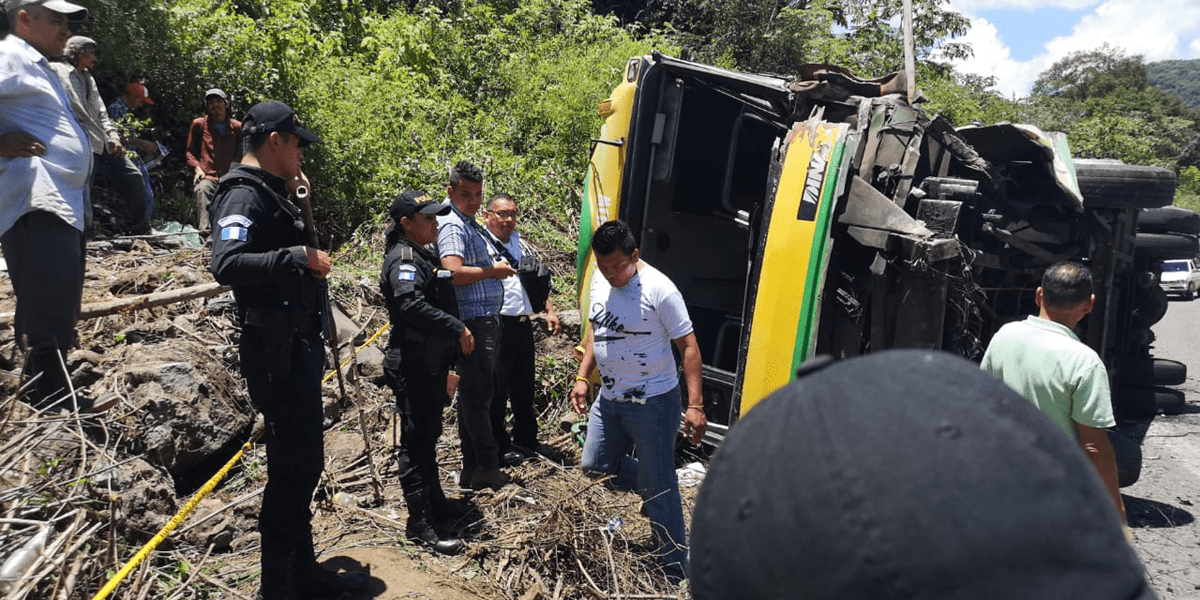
<point x="425" y="331"/>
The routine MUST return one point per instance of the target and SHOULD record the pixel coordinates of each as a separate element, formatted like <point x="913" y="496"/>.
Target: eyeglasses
<point x="504" y="214"/>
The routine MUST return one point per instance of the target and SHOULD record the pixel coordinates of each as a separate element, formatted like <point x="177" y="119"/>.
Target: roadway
<point x="1164" y="504"/>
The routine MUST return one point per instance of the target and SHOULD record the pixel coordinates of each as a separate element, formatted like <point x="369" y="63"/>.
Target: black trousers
<point x="475" y="390"/>
<point x="126" y="180"/>
<point x="514" y="384"/>
<point x="420" y="399"/>
<point x="45" y="257"/>
<point x="284" y="378"/>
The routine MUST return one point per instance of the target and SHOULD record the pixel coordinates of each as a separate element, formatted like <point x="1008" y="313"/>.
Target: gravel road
<point x="1162" y="506"/>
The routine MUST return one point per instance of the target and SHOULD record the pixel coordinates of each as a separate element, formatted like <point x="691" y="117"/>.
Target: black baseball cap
<point x="412" y="202"/>
<point x="905" y="474"/>
<point x="274" y="115"/>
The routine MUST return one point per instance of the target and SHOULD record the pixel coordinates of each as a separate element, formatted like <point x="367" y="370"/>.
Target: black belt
<point x="514" y="318"/>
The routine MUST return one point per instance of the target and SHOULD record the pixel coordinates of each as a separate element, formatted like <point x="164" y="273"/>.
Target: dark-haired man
<point x="636" y="313"/>
<point x="211" y="148"/>
<point x="1043" y="360"/>
<point x="466" y="254"/>
<point x="515" y="372"/>
<point x="45" y="158"/>
<point x="259" y="249"/>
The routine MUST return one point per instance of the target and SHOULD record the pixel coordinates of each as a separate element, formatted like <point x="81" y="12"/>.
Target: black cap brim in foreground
<point x="906" y="474"/>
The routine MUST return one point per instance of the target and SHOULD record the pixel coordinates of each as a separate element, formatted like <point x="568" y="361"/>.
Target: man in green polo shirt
<point x="1043" y="360"/>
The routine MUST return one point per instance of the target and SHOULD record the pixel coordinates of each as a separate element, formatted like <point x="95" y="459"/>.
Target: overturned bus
<point x="825" y="214"/>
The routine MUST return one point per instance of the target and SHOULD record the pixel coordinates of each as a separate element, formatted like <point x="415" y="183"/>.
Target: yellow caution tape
<point x="204" y="491"/>
<point x="172" y="524"/>
<point x="357" y="350"/>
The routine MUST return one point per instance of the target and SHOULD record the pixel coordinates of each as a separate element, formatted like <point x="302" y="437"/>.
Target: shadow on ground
<point x="1148" y="513"/>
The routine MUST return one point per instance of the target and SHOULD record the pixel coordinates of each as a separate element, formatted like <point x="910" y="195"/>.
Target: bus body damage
<point x="827" y="215"/>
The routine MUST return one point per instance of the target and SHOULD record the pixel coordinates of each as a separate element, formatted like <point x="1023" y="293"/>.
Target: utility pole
<point x="910" y="67"/>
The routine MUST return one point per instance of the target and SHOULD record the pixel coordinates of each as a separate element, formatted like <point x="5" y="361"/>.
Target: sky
<point x="1015" y="40"/>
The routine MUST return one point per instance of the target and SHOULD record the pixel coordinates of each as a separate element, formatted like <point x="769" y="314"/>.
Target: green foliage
<point x="754" y="35"/>
<point x="1180" y="77"/>
<point x="399" y="97"/>
<point x="964" y="99"/>
<point x="1091" y="73"/>
<point x="1101" y="100"/>
<point x="779" y="35"/>
<point x="874" y="44"/>
<point x="1187" y="191"/>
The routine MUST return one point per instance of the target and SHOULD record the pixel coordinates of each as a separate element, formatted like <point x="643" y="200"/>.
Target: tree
<point x="1102" y="101"/>
<point x="1181" y="77"/>
<point x="1089" y="73"/>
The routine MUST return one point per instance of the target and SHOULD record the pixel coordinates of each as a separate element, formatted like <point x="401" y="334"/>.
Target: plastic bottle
<point x="17" y="563"/>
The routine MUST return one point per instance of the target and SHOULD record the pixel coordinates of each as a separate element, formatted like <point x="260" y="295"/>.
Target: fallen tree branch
<point x="99" y="309"/>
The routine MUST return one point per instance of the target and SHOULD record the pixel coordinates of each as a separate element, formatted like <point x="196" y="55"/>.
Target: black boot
<point x="317" y="581"/>
<point x="50" y="385"/>
<point x="445" y="509"/>
<point x="278" y="576"/>
<point x="420" y="525"/>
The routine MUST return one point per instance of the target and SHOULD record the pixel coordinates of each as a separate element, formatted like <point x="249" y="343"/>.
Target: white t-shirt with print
<point x="632" y="330"/>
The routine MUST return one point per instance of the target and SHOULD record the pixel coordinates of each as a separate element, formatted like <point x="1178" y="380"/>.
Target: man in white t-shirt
<point x="636" y="313"/>
<point x="515" y="364"/>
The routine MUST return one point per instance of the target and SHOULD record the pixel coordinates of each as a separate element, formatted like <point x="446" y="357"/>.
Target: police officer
<point x="426" y="337"/>
<point x="259" y="248"/>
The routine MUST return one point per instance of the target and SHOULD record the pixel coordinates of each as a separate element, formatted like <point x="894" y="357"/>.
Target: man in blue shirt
<point x="464" y="251"/>
<point x="45" y="158"/>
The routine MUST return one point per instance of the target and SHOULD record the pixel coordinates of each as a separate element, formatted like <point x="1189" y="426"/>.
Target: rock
<point x="182" y="420"/>
<point x="218" y="530"/>
<point x="370" y="363"/>
<point x="143" y="497"/>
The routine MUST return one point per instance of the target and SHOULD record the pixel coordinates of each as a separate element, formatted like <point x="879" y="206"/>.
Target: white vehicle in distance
<point x="1180" y="277"/>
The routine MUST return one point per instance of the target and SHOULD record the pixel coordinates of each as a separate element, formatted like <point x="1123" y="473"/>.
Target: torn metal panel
<point x="907" y="247"/>
<point x="868" y="207"/>
<point x="1051" y="176"/>
<point x="940" y="216"/>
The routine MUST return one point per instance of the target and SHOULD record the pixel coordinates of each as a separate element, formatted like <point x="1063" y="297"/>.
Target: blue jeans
<point x="615" y="428"/>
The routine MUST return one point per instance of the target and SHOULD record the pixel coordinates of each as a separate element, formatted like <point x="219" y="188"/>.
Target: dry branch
<point x="125" y="305"/>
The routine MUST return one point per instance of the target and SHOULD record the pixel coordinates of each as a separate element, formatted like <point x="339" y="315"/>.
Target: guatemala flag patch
<point x="407" y="273"/>
<point x="234" y="233"/>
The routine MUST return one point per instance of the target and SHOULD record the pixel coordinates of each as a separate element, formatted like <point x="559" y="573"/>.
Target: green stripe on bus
<point x="816" y="260"/>
<point x="585" y="232"/>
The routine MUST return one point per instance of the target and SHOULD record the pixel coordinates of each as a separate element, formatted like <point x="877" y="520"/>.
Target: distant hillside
<point x="1179" y="76"/>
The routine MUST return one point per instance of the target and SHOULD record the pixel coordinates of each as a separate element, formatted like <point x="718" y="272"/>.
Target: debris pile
<point x="80" y="495"/>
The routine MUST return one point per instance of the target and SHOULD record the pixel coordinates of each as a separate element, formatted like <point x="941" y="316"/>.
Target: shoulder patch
<point x="234" y="233"/>
<point x="406" y="272"/>
<point x="232" y="219"/>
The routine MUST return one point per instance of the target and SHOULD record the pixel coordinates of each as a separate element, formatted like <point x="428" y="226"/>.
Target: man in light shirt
<point x="1043" y="360"/>
<point x="515" y="371"/>
<point x="44" y="163"/>
<point x="108" y="154"/>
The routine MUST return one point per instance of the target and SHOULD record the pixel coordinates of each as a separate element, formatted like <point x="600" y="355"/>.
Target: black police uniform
<point x="259" y="249"/>
<point x="423" y="345"/>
